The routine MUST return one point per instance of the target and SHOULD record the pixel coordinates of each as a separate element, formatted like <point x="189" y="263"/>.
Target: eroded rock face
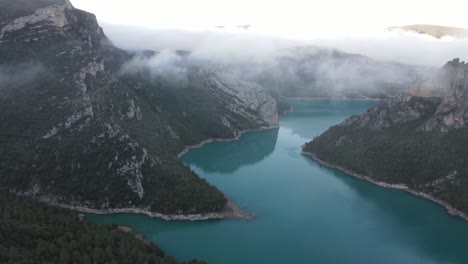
<point x="453" y="110"/>
<point x="443" y="112"/>
<point x="416" y="141"/>
<point x="244" y="98"/>
<point x="396" y="111"/>
<point x="53" y="15"/>
<point x="83" y="133"/>
<point x="69" y="120"/>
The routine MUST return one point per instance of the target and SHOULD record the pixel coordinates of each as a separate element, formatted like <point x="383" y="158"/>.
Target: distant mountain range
<point x="434" y="31"/>
<point x="310" y="71"/>
<point x="87" y="124"/>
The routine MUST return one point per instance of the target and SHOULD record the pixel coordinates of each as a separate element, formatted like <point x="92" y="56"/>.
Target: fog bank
<point x="404" y="47"/>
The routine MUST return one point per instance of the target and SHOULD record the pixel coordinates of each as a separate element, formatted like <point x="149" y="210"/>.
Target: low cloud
<point x="229" y="47"/>
<point x="165" y="62"/>
<point x="404" y="47"/>
<point x="396" y="62"/>
<point x="214" y="46"/>
<point x="12" y="75"/>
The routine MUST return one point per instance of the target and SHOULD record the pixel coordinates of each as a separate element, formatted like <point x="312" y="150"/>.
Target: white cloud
<point x="302" y="19"/>
<point x="353" y="26"/>
<point x="403" y="47"/>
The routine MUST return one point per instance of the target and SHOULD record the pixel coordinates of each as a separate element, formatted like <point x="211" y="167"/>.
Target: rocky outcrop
<point x="53" y="15"/>
<point x="86" y="133"/>
<point x="396" y="111"/>
<point x="420" y="142"/>
<point x="453" y="110"/>
<point x="439" y="106"/>
<point x="241" y="97"/>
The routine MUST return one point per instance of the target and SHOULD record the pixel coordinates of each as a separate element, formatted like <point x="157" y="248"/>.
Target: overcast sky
<point x="351" y="25"/>
<point x="287" y="18"/>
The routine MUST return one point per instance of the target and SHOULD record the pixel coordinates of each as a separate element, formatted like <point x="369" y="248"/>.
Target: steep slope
<point x="75" y="130"/>
<point x="418" y="142"/>
<point x="31" y="232"/>
<point x="434" y="30"/>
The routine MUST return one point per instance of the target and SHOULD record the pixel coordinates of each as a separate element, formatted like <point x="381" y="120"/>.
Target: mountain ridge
<point x="83" y="133"/>
<point x="418" y="142"/>
<point x="312" y="71"/>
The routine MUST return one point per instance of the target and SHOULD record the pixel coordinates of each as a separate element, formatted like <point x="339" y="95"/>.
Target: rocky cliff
<point x="77" y="130"/>
<point x="453" y="110"/>
<point x="419" y="142"/>
<point x="441" y="102"/>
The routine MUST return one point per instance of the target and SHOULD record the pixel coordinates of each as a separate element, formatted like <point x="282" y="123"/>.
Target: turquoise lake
<point x="305" y="213"/>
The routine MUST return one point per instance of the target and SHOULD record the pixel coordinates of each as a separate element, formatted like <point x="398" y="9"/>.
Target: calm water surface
<point x="306" y="213"/>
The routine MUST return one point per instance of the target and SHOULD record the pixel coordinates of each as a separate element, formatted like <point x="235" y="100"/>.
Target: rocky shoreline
<point x="450" y="209"/>
<point x="212" y="140"/>
<point x="235" y="138"/>
<point x="230" y="211"/>
<point x="329" y="98"/>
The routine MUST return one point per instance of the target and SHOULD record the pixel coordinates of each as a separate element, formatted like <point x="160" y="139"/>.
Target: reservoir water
<point x="305" y="213"/>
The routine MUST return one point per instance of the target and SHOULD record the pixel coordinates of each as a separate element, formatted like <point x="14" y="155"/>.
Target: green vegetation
<point x="430" y="161"/>
<point x="31" y="232"/>
<point x="73" y="167"/>
<point x="86" y="134"/>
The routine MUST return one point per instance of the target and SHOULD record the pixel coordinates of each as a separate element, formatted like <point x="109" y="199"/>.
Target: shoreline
<point x="328" y="98"/>
<point x="450" y="209"/>
<point x="235" y="211"/>
<point x="230" y="211"/>
<point x="237" y="137"/>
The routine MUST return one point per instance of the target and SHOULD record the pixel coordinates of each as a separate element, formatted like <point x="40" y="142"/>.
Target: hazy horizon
<point x="247" y="28"/>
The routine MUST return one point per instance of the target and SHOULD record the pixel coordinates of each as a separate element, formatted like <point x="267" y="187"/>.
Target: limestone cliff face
<point x="440" y="105"/>
<point x="396" y="111"/>
<point x="75" y="130"/>
<point x="453" y="110"/>
<point x="420" y="142"/>
<point x="53" y="15"/>
<point x="241" y="97"/>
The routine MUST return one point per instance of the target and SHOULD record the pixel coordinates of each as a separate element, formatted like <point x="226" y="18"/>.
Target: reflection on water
<point x="306" y="213"/>
<point x="231" y="157"/>
<point x="309" y="122"/>
<point x="416" y="218"/>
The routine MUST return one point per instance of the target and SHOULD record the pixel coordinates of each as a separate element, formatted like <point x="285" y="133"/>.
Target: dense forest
<point x="31" y="232"/>
<point x="96" y="126"/>
<point x="434" y="162"/>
